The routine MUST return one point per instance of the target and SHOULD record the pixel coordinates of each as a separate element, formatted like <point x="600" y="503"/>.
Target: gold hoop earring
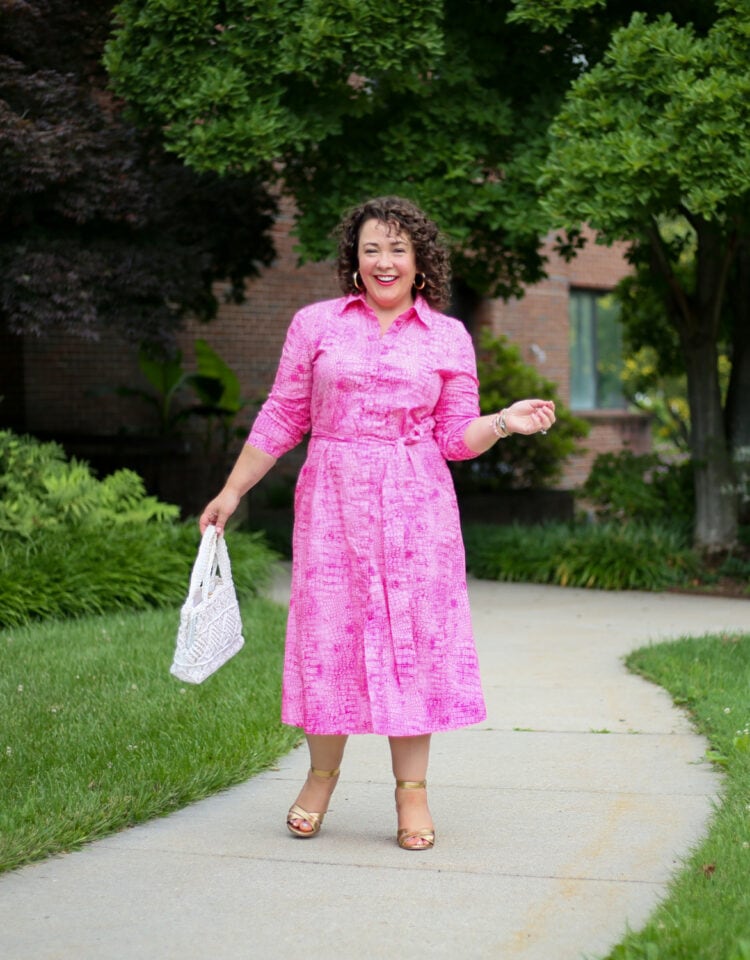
<point x="356" y="279"/>
<point x="423" y="284"/>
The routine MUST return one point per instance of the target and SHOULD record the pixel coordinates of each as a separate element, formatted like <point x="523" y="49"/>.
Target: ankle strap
<point x="324" y="773"/>
<point x="411" y="784"/>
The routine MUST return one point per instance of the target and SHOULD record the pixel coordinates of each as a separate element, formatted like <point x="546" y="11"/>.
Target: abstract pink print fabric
<point x="379" y="636"/>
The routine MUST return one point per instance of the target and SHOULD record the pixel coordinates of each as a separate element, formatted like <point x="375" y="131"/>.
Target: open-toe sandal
<point x="297" y="813"/>
<point x="404" y="836"/>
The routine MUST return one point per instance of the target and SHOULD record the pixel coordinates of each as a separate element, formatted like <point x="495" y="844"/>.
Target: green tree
<point x="659" y="130"/>
<point x="450" y="101"/>
<point x="100" y="226"/>
<point x="439" y="99"/>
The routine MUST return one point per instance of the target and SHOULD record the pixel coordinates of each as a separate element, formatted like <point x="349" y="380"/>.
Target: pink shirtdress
<point x="379" y="636"/>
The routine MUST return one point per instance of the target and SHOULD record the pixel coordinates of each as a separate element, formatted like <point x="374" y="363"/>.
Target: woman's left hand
<point x="530" y="416"/>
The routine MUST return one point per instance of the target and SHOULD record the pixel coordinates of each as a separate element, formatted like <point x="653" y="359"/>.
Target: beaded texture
<point x="379" y="636"/>
<point x="210" y="630"/>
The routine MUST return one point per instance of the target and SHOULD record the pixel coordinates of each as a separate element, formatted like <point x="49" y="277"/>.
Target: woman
<point x="379" y="635"/>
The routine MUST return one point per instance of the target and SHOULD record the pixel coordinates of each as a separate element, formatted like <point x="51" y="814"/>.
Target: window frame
<point x="595" y="319"/>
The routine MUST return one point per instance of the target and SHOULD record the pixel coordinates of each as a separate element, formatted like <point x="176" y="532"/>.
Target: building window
<point x="595" y="351"/>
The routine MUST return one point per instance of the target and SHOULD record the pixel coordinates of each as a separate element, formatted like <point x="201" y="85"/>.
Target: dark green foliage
<point x="42" y="492"/>
<point x="650" y="147"/>
<point x="737" y="567"/>
<point x="515" y="553"/>
<point x="100" y="227"/>
<point x="641" y="296"/>
<point x="438" y="100"/>
<point x="215" y="387"/>
<point x="73" y="544"/>
<point x="605" y="556"/>
<point x="521" y="462"/>
<point x="645" y="488"/>
<point x="70" y="572"/>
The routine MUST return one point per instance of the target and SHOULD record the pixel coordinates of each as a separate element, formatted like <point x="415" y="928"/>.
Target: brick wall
<point x="68" y="386"/>
<point x="249" y="336"/>
<point x="611" y="430"/>
<point x="538" y="322"/>
<point x="65" y="376"/>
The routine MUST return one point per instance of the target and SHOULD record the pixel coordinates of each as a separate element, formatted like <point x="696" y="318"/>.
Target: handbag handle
<point x="212" y="554"/>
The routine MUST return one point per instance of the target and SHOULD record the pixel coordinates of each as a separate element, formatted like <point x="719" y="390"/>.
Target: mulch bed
<point x="714" y="583"/>
<point x="724" y="587"/>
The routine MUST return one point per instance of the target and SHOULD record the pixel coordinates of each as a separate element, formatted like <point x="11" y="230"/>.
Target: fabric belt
<point x="420" y="432"/>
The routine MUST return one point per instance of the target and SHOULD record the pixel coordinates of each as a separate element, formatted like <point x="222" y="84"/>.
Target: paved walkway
<point x="559" y="820"/>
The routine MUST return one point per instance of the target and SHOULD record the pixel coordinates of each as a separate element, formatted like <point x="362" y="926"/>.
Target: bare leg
<point x="410" y="757"/>
<point x="326" y="753"/>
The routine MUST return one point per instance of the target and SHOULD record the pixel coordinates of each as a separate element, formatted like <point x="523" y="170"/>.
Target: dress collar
<point x="420" y="308"/>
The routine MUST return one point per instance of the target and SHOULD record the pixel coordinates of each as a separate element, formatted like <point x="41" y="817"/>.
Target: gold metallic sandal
<point x="404" y="835"/>
<point x="299" y="813"/>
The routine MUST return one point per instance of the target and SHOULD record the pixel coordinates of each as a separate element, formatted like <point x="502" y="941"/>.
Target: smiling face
<point x="387" y="266"/>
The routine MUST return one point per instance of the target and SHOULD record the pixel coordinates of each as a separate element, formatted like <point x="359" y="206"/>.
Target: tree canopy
<point x="661" y="126"/>
<point x="100" y="226"/>
<point x="652" y="145"/>
<point x="442" y="100"/>
<point x="503" y="118"/>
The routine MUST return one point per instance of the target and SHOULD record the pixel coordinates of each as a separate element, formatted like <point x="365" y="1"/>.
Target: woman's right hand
<point x="219" y="510"/>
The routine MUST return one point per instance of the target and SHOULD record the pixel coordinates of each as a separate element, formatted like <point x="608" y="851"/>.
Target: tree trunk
<point x="715" y="494"/>
<point x="737" y="410"/>
<point x="696" y="318"/>
<point x="716" y="502"/>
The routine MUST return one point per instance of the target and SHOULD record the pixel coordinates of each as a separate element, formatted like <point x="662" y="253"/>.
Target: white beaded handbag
<point x="210" y="630"/>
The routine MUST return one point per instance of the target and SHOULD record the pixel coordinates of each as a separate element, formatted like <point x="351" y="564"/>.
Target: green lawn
<point x="95" y="734"/>
<point x="707" y="913"/>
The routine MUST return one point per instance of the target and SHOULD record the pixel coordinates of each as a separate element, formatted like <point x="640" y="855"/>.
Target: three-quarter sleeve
<point x="458" y="403"/>
<point x="284" y="418"/>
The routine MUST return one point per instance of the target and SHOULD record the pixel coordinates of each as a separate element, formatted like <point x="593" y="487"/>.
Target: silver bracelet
<point x="499" y="427"/>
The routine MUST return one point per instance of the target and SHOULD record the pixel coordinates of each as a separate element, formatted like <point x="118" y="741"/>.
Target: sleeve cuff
<point x="267" y="444"/>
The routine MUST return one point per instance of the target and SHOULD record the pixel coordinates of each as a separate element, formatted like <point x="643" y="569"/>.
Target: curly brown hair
<point x="429" y="251"/>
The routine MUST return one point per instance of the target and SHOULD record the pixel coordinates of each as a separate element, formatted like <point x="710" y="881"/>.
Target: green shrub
<point x="737" y="567"/>
<point x="611" y="556"/>
<point x="607" y="556"/>
<point x="74" y="545"/>
<point x="515" y="553"/>
<point x="524" y="462"/>
<point x="91" y="571"/>
<point x="623" y="487"/>
<point x="41" y="491"/>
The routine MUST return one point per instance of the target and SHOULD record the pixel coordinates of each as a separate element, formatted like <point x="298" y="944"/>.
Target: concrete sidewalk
<point x="559" y="820"/>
